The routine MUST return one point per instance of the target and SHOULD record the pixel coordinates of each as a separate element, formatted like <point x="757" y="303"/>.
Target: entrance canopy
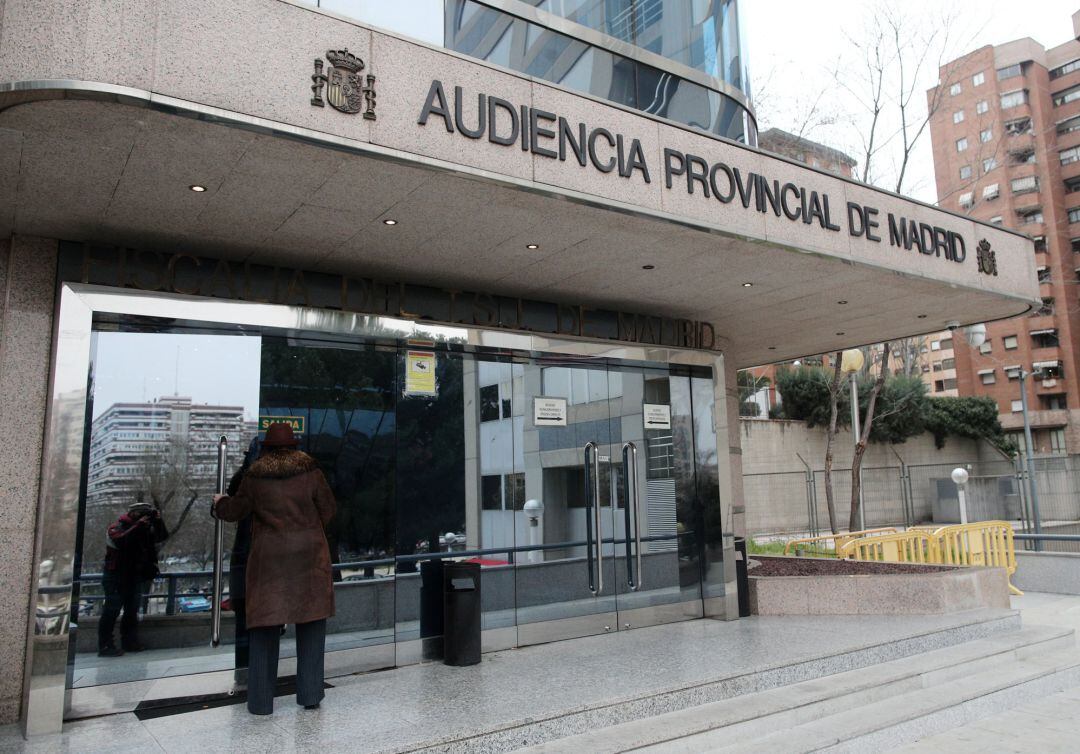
<point x="496" y="183"/>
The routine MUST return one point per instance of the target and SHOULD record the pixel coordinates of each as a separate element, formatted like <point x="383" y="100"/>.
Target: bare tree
<point x="864" y="437"/>
<point x="835" y="386"/>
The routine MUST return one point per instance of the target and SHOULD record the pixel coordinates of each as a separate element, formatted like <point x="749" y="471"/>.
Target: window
<point x="1072" y="185"/>
<point x="1009" y="71"/>
<point x="965" y="172"/>
<point x="954" y="89"/>
<point x="991" y="191"/>
<point x="491" y="492"/>
<point x="987" y="377"/>
<point x="995" y="220"/>
<point x="982" y="107"/>
<point x="989" y="164"/>
<point x="1069" y="125"/>
<point x="1074" y="217"/>
<point x="1030" y="216"/>
<point x="1012" y="372"/>
<point x="489" y="403"/>
<point x="958" y="116"/>
<point x="961" y="144"/>
<point x="1074" y="244"/>
<point x="966" y="200"/>
<point x="1070" y="155"/>
<point x="1013" y="99"/>
<point x="1057" y="441"/>
<point x="1017" y="406"/>
<point x="1066" y="95"/>
<point x="1054" y="402"/>
<point x="1044" y="274"/>
<point x="1010" y="342"/>
<point x="937" y="366"/>
<point x="1046" y="309"/>
<point x="1040" y="243"/>
<point x="1047" y="370"/>
<point x="935" y="345"/>
<point x="1024" y="185"/>
<point x="1062" y="70"/>
<point x="978" y="79"/>
<point x="1018" y="126"/>
<point x="949" y="383"/>
<point x="986" y="347"/>
<point x="948" y="363"/>
<point x="986" y="135"/>
<point x="1024" y="156"/>
<point x="939" y="385"/>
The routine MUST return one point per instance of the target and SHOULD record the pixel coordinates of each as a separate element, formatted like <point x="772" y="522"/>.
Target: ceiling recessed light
<point x="841" y="302"/>
<point x="532" y="246"/>
<point x="840" y="333"/>
<point x="772" y="348"/>
<point x="922" y="316"/>
<point x="388" y="221"/>
<point x="197" y="188"/>
<point x="648" y="267"/>
<point x="747" y="285"/>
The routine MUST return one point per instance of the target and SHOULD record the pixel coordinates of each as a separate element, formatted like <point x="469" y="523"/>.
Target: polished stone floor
<point x="393" y="709"/>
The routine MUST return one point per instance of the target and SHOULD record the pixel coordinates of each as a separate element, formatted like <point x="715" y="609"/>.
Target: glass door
<point x="658" y="511"/>
<point x="566" y="570"/>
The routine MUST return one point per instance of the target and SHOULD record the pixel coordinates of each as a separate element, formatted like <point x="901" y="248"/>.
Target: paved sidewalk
<point x="1047" y="726"/>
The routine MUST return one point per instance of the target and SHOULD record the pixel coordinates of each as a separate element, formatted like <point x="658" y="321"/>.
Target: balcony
<point x="1038" y="419"/>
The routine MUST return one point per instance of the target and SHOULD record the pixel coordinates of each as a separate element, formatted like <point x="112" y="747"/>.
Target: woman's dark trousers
<point x="263" y="658"/>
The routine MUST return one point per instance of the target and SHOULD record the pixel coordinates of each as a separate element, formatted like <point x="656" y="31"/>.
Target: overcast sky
<point x="795" y="44"/>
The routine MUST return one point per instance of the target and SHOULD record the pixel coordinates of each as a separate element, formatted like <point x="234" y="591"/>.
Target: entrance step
<point x="869" y="709"/>
<point x="648" y="716"/>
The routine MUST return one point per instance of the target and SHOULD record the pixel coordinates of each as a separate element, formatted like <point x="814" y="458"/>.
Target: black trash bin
<point x="461" y="613"/>
<point x="431" y="609"/>
<point x="741" y="577"/>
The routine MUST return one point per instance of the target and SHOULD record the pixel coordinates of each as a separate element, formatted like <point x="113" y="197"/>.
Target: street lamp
<point x="976" y="336"/>
<point x="960" y="477"/>
<point x="851" y="362"/>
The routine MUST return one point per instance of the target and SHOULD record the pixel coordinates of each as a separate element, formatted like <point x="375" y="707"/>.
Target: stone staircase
<point x="871" y="708"/>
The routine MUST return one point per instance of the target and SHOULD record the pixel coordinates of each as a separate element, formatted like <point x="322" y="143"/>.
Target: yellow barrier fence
<point x="986" y="543"/>
<point x="820" y="546"/>
<point x="901" y="547"/>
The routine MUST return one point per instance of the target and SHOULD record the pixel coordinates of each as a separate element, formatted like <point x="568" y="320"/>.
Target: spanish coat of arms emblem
<point x="347" y="89"/>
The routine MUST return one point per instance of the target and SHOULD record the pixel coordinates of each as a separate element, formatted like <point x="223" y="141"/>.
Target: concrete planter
<point x="932" y="591"/>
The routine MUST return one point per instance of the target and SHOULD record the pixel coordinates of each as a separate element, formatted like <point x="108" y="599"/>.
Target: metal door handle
<point x="593" y="532"/>
<point x="631" y="498"/>
<point x="219" y="546"/>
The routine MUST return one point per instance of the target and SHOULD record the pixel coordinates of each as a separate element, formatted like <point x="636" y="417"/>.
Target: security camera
<point x="954" y="325"/>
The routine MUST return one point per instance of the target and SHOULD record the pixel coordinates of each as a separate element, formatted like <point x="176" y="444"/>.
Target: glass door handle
<point x="219" y="546"/>
<point x="594" y="533"/>
<point x="631" y="499"/>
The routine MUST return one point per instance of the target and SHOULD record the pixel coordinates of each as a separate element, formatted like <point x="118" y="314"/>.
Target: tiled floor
<point x="377" y="711"/>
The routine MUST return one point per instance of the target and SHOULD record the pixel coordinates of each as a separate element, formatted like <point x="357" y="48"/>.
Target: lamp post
<point x="960" y="477"/>
<point x="976" y="336"/>
<point x="851" y="361"/>
<point x="1029" y="447"/>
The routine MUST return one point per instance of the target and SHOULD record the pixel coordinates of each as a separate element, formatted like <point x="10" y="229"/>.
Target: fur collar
<point x="282" y="464"/>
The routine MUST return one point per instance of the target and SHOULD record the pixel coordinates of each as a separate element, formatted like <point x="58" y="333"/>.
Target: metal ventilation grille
<point x="660" y="504"/>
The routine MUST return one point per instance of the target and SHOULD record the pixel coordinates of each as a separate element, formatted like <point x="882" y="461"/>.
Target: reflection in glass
<point x="495" y="36"/>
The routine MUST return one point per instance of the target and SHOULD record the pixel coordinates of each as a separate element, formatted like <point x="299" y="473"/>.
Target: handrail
<point x="840" y="539"/>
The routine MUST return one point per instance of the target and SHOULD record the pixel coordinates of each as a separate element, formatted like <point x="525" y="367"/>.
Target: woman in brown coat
<point x="289" y="579"/>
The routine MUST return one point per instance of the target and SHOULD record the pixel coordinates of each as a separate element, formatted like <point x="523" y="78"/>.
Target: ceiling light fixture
<point x="388" y="221"/>
<point x="841" y="302"/>
<point x="532" y="246"/>
<point x="840" y="333"/>
<point x="197" y="188"/>
<point x="772" y="348"/>
<point x="648" y="267"/>
<point x="922" y="316"/>
<point x="747" y="285"/>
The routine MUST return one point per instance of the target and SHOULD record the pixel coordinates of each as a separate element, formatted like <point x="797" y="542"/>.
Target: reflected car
<point x="193" y="604"/>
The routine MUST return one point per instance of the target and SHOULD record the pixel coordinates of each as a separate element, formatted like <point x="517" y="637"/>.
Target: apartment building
<point x="1006" y="138"/>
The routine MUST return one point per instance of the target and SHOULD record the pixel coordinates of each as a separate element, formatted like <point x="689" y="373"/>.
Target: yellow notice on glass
<point x="419" y="373"/>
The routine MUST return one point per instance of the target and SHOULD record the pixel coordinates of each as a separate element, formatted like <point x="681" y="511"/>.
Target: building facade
<point x="496" y="263"/>
<point x="1006" y="139"/>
